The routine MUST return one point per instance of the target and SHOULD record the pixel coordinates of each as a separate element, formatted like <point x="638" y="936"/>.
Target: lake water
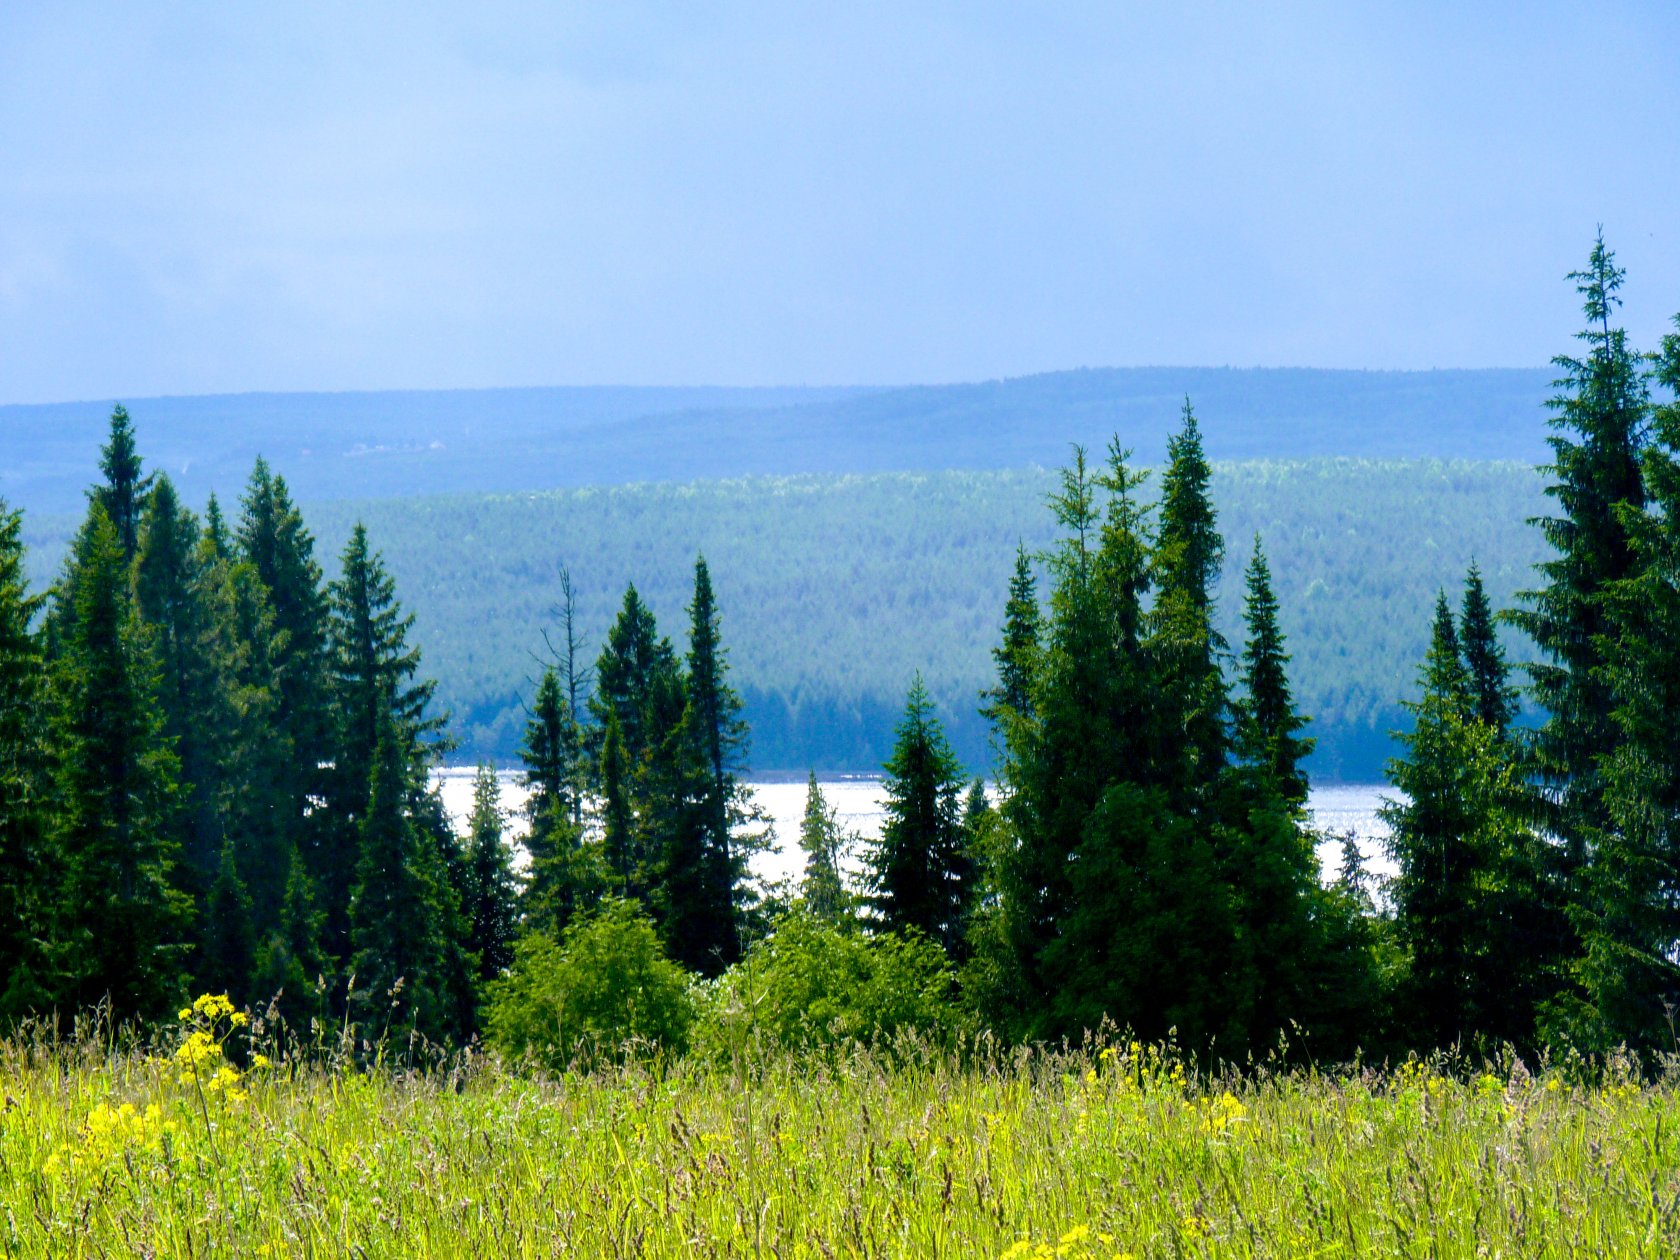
<point x="1337" y="808"/>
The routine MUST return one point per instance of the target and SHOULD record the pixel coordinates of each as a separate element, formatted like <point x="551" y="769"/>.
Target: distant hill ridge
<point x="403" y="443"/>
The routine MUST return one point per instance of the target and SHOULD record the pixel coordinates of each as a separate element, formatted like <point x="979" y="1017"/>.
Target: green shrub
<point x="813" y="984"/>
<point x="605" y="984"/>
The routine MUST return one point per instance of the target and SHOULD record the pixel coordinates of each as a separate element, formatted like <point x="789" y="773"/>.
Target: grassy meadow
<point x="201" y="1144"/>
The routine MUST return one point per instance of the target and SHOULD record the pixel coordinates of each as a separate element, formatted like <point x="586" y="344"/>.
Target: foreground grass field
<point x="1110" y="1152"/>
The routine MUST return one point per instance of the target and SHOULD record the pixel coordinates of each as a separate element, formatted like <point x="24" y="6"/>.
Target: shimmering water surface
<point x="1336" y="808"/>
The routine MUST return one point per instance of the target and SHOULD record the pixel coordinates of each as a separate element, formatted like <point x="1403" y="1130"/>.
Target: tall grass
<point x="174" y="1149"/>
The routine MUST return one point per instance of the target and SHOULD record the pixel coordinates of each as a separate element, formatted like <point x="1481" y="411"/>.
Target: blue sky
<point x="198" y="198"/>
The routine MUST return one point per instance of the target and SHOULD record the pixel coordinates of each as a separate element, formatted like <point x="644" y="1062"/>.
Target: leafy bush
<point x="813" y="984"/>
<point x="605" y="984"/>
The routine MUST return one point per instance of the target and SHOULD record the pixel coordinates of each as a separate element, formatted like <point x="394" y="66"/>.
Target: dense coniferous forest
<point x="857" y="583"/>
<point x="215" y="737"/>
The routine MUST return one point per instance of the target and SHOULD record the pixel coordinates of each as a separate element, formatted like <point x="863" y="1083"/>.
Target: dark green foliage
<point x="121" y="927"/>
<point x="123" y="496"/>
<point x="1629" y="916"/>
<point x="921" y="874"/>
<point x="492" y="895"/>
<point x="228" y="936"/>
<point x="618" y="825"/>
<point x="291" y="974"/>
<point x="1493" y="698"/>
<point x="1184" y="646"/>
<point x="823" y="843"/>
<point x="1010" y="702"/>
<point x="1468" y="900"/>
<point x="564" y="877"/>
<point x="400" y="909"/>
<point x="605" y="983"/>
<point x="23" y="784"/>
<point x="1268" y="726"/>
<point x="1598" y="418"/>
<point x="633" y="666"/>
<point x="376" y="695"/>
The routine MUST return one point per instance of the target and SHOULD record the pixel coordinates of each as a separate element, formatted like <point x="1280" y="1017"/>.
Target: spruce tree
<point x="1495" y="700"/>
<point x="632" y="667"/>
<point x="273" y="540"/>
<point x="1467" y="897"/>
<point x="121" y="925"/>
<point x="1184" y="649"/>
<point x="1268" y="726"/>
<point x="23" y="783"/>
<point x="376" y="693"/>
<point x="169" y="589"/>
<point x="228" y="937"/>
<point x="1010" y="703"/>
<point x="1629" y="915"/>
<point x="822" y="841"/>
<point x="492" y="902"/>
<point x="291" y="975"/>
<point x="1599" y="418"/>
<point x="397" y="931"/>
<point x="564" y="878"/>
<point x="123" y="496"/>
<point x="920" y="873"/>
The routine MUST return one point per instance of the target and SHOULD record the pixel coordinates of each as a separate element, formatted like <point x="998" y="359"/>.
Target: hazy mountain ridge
<point x="403" y="443"/>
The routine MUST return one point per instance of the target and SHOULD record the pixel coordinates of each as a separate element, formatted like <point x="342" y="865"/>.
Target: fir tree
<point x="921" y="875"/>
<point x="229" y="946"/>
<point x="1268" y="725"/>
<point x="633" y="665"/>
<point x="1629" y="915"/>
<point x="23" y="782"/>
<point x="397" y="928"/>
<point x="121" y="924"/>
<point x="562" y="879"/>
<point x="1466" y="893"/>
<point x="376" y="690"/>
<point x="1599" y="418"/>
<point x="1189" y="706"/>
<point x="1010" y="703"/>
<point x="291" y="974"/>
<point x="492" y="901"/>
<point x="169" y="587"/>
<point x="1494" y="698"/>
<point x="123" y="496"/>
<point x="821" y="840"/>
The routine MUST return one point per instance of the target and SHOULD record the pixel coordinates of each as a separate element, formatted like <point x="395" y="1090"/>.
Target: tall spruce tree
<point x="618" y="825"/>
<point x="23" y="783"/>
<point x="400" y="957"/>
<point x="565" y="879"/>
<point x="633" y="667"/>
<point x="694" y="805"/>
<point x="1268" y="726"/>
<point x="123" y="495"/>
<point x="273" y="539"/>
<point x="1599" y="418"/>
<point x="1009" y="704"/>
<point x="377" y="694"/>
<point x="1466" y="893"/>
<point x="121" y="925"/>
<point x="1185" y="648"/>
<point x="920" y="873"/>
<point x="1494" y="698"/>
<point x="1629" y="915"/>
<point x="492" y="901"/>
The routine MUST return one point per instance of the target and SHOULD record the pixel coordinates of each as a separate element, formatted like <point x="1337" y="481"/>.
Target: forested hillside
<point x="400" y="444"/>
<point x="835" y="590"/>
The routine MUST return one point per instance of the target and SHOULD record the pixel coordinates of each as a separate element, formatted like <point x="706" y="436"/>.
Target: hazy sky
<point x="216" y="197"/>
